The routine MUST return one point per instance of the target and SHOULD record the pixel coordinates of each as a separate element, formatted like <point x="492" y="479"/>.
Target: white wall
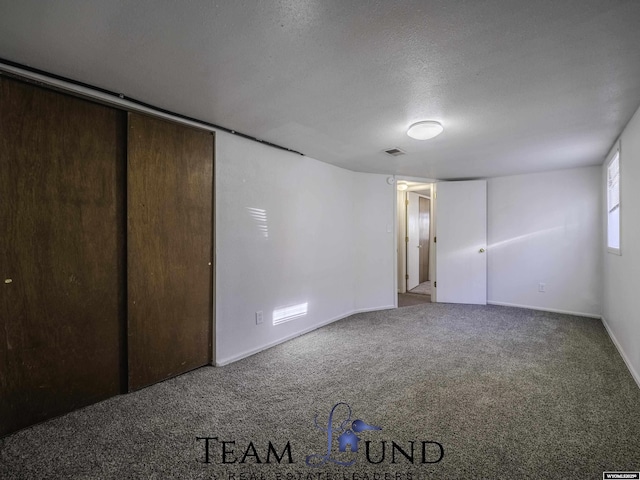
<point x="322" y="240"/>
<point x="330" y="244"/>
<point x="373" y="239"/>
<point x="546" y="228"/>
<point x="622" y="273"/>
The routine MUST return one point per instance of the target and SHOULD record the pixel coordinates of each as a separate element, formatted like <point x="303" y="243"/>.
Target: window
<point x="613" y="203"/>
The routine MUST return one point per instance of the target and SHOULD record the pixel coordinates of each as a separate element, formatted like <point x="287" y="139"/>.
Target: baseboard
<point x="542" y="309"/>
<point x="375" y="309"/>
<point x="613" y="338"/>
<point x="253" y="351"/>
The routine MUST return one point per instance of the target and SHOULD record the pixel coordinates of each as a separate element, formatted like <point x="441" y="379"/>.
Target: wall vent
<point x="394" y="152"/>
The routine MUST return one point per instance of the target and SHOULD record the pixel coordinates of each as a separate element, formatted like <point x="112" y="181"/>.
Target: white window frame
<point x="613" y="156"/>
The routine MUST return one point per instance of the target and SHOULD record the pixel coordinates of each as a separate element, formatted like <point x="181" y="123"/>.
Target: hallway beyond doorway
<point x="422" y="289"/>
<point x="411" y="299"/>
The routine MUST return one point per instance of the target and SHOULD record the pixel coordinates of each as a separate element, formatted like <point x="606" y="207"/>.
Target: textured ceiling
<point x="520" y="85"/>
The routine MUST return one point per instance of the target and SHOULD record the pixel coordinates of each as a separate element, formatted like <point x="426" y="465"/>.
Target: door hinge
<point x="406" y="239"/>
<point x="406" y="277"/>
<point x="406" y="202"/>
<point x="435" y="239"/>
<point x="435" y="284"/>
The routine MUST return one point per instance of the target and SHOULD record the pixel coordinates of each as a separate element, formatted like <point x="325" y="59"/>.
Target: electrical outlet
<point x="259" y="318"/>
<point x="542" y="287"/>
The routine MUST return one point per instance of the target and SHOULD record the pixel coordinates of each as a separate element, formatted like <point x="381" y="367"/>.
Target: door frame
<point x="431" y="230"/>
<point x="399" y="247"/>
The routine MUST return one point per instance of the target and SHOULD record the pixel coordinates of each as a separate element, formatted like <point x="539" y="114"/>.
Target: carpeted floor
<point x="422" y="289"/>
<point x="412" y="299"/>
<point x="508" y="393"/>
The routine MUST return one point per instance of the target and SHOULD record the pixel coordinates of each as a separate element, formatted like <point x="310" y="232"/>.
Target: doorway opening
<point x="415" y="251"/>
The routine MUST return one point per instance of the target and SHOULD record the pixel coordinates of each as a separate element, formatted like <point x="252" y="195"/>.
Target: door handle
<point x="482" y="250"/>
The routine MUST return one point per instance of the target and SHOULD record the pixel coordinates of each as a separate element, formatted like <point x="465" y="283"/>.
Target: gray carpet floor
<point x="508" y="393"/>
<point x="422" y="289"/>
<point x="411" y="299"/>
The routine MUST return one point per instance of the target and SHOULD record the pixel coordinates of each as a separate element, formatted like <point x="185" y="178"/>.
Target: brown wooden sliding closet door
<point x="62" y="237"/>
<point x="170" y="183"/>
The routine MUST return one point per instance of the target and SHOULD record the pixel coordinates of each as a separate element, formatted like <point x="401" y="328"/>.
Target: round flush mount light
<point x="425" y="130"/>
<point x="402" y="186"/>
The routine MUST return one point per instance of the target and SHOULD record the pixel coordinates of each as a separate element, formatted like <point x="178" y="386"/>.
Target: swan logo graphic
<point x="344" y="434"/>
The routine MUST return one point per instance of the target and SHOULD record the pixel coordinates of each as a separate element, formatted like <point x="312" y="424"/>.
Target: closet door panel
<point x="170" y="182"/>
<point x="61" y="290"/>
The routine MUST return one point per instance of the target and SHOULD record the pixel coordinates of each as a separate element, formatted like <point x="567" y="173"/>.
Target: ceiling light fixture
<point x="425" y="130"/>
<point x="402" y="186"/>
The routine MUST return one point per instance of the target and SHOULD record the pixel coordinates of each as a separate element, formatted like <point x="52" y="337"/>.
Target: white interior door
<point x="413" y="245"/>
<point x="461" y="232"/>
